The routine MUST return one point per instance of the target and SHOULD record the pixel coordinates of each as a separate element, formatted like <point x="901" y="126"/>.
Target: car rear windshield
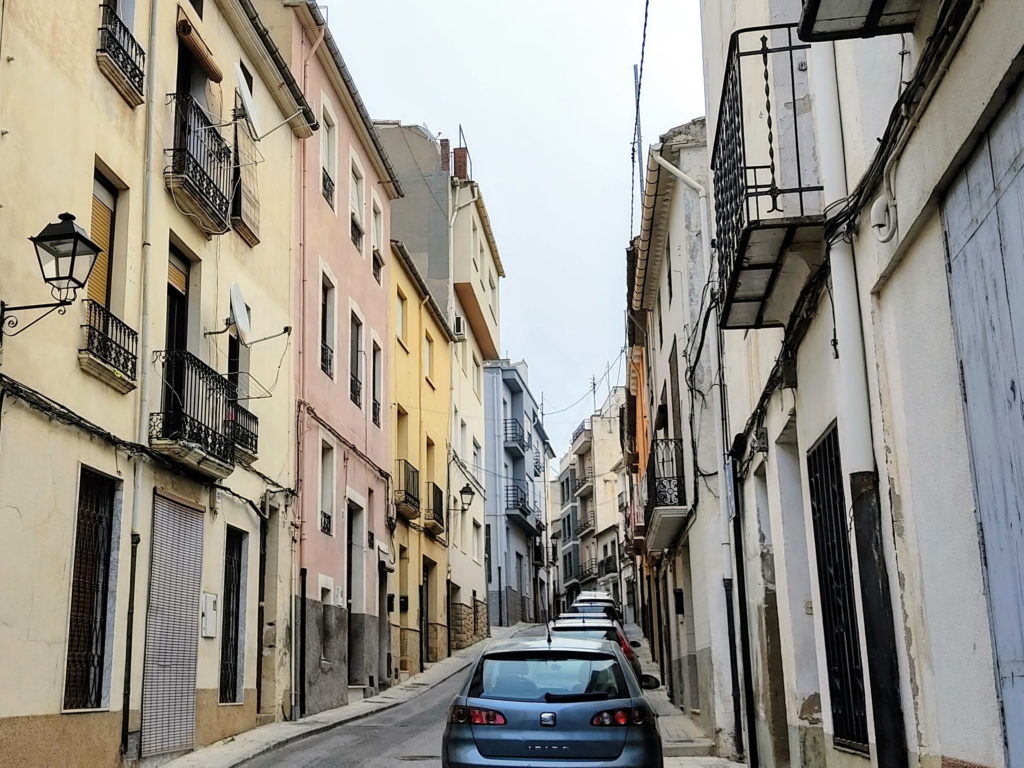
<point x="548" y="677"/>
<point x="587" y="634"/>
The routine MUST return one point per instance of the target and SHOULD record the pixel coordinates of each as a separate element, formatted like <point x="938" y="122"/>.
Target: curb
<point x="328" y="726"/>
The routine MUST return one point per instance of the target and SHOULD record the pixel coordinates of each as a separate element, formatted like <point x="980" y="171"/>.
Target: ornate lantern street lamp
<point x="66" y="257"/>
<point x="466" y="496"/>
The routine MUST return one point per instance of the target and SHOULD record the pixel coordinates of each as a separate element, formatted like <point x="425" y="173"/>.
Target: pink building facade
<point x="344" y="186"/>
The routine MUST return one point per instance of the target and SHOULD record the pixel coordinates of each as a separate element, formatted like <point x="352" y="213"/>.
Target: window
<point x="326" y="326"/>
<point x="477" y="467"/>
<point x="328" y="155"/>
<point x="668" y="264"/>
<point x="198" y="5"/>
<point x="474" y="246"/>
<point x="428" y="356"/>
<point x="355" y="390"/>
<point x="835" y="577"/>
<point x="245" y="196"/>
<point x="327" y="488"/>
<point x="377" y="231"/>
<point x="532" y="677"/>
<point x="657" y="311"/>
<point x="356" y="202"/>
<point x="477" y="377"/>
<point x="462" y="438"/>
<point x="492" y="297"/>
<point x="377" y="384"/>
<point x="378" y="266"/>
<point x="487" y="551"/>
<point x="400" y="315"/>
<point x="476" y="540"/>
<point x="231" y="649"/>
<point x="90" y="599"/>
<point x="101" y="230"/>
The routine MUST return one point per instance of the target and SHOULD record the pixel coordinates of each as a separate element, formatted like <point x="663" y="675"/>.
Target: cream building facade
<point x="142" y="476"/>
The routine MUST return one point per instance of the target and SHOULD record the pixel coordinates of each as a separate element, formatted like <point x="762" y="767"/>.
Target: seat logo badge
<point x="547" y="719"/>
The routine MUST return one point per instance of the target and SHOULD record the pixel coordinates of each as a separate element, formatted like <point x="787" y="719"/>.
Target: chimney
<point x="446" y="155"/>
<point x="461" y="162"/>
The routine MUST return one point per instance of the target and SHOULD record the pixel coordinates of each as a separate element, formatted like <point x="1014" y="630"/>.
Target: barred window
<point x="90" y="583"/>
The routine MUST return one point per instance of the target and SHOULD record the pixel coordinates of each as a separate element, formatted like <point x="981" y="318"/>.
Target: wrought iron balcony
<point x="407" y="490"/>
<point x="570" y="574"/>
<point x="841" y="19"/>
<point x="587" y="521"/>
<point x="538" y="464"/>
<point x="581" y="437"/>
<point x="585" y="481"/>
<point x="327" y="186"/>
<point x="434" y="521"/>
<point x="666" y="511"/>
<point x="357" y="232"/>
<point x="588" y="569"/>
<point x="376" y="411"/>
<point x="515" y="437"/>
<point x="199" y="175"/>
<point x="326" y="358"/>
<point x="607" y="565"/>
<point x="538" y="553"/>
<point x="355" y="389"/>
<point x="120" y="57"/>
<point x="244" y="428"/>
<point x="517" y="501"/>
<point x="326" y="522"/>
<point x="194" y="424"/>
<point x="110" y="351"/>
<point x="768" y="196"/>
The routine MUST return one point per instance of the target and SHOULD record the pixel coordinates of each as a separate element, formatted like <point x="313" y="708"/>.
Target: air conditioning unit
<point x="460" y="328"/>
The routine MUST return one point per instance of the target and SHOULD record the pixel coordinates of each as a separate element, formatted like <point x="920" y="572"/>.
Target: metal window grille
<point x="326" y="522"/>
<point x="328" y="188"/>
<point x="326" y="358"/>
<point x="231" y="615"/>
<point x="835" y="578"/>
<point x="201" y="156"/>
<point x="87" y="623"/>
<point x="378" y="265"/>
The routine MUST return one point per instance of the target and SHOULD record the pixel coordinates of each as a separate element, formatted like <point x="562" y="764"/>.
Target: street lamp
<point x="466" y="494"/>
<point x="66" y="257"/>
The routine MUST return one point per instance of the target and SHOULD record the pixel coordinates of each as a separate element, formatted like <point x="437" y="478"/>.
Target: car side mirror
<point x="636" y="644"/>
<point x="649" y="682"/>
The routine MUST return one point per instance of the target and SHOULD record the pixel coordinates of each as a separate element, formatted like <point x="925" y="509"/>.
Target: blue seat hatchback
<point x="566" y="702"/>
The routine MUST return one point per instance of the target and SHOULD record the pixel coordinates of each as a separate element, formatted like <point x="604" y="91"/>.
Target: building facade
<point x="421" y="400"/>
<point x="138" y="441"/>
<point x="515" y="443"/>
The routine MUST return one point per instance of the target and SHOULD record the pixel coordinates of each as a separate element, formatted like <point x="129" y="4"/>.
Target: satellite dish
<point x="240" y="314"/>
<point x="247" y="102"/>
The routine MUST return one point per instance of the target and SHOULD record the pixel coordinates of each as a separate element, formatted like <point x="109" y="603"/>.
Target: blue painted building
<point x="516" y="458"/>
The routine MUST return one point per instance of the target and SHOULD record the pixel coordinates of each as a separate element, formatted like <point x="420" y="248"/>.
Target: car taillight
<point x="626" y="648"/>
<point x="475" y="715"/>
<point x="619" y="717"/>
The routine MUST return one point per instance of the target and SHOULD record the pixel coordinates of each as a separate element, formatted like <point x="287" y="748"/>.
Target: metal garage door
<point x="172" y="629"/>
<point x="984" y="217"/>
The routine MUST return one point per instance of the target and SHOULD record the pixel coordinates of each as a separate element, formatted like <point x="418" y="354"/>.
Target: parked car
<point x="593" y="599"/>
<point x="587" y="627"/>
<point x="598" y="608"/>
<point x="567" y="702"/>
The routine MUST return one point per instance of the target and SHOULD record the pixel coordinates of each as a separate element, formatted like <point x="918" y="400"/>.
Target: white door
<point x="984" y="217"/>
<point x="172" y="629"/>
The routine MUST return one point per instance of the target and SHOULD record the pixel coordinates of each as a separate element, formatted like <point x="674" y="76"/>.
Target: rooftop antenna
<point x="548" y="627"/>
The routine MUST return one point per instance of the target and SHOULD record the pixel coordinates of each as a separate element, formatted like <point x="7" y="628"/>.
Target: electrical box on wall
<point x="208" y="621"/>
<point x="403" y="603"/>
<point x="391" y="602"/>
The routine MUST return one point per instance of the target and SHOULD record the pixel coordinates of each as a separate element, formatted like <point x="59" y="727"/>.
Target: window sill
<point x="97" y="710"/>
<point x="431" y="383"/>
<point x="230" y="703"/>
<point x="401" y="343"/>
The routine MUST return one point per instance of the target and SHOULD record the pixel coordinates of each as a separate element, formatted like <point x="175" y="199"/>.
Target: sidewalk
<point x="684" y="743"/>
<point x="237" y="749"/>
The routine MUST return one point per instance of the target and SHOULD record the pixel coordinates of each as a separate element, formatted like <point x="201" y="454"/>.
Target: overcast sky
<point x="543" y="90"/>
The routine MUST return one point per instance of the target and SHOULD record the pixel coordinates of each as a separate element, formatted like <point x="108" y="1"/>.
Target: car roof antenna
<point x="548" y="625"/>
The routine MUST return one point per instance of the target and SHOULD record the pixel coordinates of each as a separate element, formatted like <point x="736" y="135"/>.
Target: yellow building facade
<point x="420" y="402"/>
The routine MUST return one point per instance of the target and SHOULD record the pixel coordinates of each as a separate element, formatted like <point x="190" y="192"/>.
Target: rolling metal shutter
<point x="172" y="629"/>
<point x="101" y="230"/>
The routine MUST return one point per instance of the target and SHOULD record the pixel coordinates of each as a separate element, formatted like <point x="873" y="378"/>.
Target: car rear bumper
<point x="462" y="753"/>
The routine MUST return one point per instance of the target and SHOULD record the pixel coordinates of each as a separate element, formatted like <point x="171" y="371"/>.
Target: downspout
<point x="855" y="441"/>
<point x="721" y="405"/>
<point x="753" y="757"/>
<point x="146" y="355"/>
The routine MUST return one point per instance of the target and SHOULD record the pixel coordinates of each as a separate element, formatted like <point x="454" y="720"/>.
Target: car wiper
<point x="597" y="696"/>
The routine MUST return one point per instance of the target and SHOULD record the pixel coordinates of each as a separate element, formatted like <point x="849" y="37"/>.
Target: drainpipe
<point x="721" y="424"/>
<point x="146" y="354"/>
<point x="753" y="756"/>
<point x="854" y="419"/>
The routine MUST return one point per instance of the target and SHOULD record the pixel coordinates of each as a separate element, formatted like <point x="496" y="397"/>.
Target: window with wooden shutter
<point x="245" y="199"/>
<point x="101" y="231"/>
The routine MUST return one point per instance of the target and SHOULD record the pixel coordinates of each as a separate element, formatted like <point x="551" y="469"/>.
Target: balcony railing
<point x="110" y="340"/>
<point x="119" y="47"/>
<point x="517" y="498"/>
<point x="244" y="428"/>
<point x="326" y="522"/>
<point x="407" y="489"/>
<point x="607" y="565"/>
<point x="355" y="389"/>
<point x="327" y="186"/>
<point x="588" y="569"/>
<point x="538" y="464"/>
<point x="357" y="232"/>
<point x="585" y="481"/>
<point x="200" y="164"/>
<point x="326" y="358"/>
<point x="435" y="511"/>
<point x="376" y="411"/>
<point x="666" y="486"/>
<point x="196" y="410"/>
<point x="767" y="189"/>
<point x="515" y="436"/>
<point x="578" y="432"/>
<point x="587" y="521"/>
